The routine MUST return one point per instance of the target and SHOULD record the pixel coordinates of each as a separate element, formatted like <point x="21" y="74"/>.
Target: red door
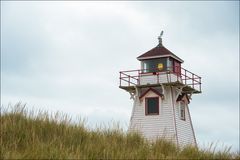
<point x="177" y="68"/>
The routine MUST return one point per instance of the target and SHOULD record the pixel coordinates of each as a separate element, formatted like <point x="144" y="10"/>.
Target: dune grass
<point x="39" y="135"/>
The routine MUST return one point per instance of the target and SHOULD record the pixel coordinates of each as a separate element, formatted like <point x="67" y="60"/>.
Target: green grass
<point x="39" y="135"/>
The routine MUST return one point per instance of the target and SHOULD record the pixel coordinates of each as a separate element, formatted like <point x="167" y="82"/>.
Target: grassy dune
<point x="36" y="134"/>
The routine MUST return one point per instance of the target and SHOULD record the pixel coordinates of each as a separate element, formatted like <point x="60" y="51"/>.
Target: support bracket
<point x="190" y="96"/>
<point x="179" y="92"/>
<point x="163" y="91"/>
<point x="134" y="95"/>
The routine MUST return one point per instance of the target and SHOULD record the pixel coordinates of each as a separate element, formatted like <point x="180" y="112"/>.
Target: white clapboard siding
<point x="184" y="129"/>
<point x="165" y="125"/>
<point x="153" y="126"/>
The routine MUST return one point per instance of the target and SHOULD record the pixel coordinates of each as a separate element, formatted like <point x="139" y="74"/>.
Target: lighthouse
<point x="161" y="90"/>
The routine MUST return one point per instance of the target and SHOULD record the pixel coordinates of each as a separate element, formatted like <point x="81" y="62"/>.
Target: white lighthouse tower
<point x="161" y="91"/>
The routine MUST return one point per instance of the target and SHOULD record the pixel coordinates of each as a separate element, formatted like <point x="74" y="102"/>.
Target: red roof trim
<point x="150" y="89"/>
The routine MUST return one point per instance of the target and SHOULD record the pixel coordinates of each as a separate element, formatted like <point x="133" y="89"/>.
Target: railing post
<point x="128" y="80"/>
<point x="138" y="77"/>
<point x="185" y="76"/>
<point x="200" y="84"/>
<point x="181" y="74"/>
<point x="120" y="78"/>
<point x="167" y="76"/>
<point x="193" y="81"/>
<point x="170" y="74"/>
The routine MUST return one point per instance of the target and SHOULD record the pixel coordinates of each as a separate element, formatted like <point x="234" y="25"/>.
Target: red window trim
<point x="150" y="89"/>
<point x="152" y="114"/>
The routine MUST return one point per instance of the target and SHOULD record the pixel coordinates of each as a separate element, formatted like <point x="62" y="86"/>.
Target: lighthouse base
<point x="171" y="122"/>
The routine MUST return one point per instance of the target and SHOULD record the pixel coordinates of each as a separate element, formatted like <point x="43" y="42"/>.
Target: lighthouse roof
<point x="158" y="52"/>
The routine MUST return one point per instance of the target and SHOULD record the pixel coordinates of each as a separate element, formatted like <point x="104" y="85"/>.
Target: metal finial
<point x="160" y="39"/>
<point x="161" y="34"/>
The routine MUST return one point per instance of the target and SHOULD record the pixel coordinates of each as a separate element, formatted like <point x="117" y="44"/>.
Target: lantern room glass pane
<point x="170" y="64"/>
<point x="154" y="65"/>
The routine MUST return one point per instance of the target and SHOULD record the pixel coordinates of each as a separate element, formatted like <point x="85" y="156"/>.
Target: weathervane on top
<point x="160" y="39"/>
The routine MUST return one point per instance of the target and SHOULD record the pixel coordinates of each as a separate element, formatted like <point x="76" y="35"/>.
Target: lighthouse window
<point x="182" y="110"/>
<point x="154" y="65"/>
<point x="152" y="106"/>
<point x="170" y="64"/>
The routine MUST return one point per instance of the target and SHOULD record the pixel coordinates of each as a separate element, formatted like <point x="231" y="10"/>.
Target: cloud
<point x="218" y="125"/>
<point x="66" y="56"/>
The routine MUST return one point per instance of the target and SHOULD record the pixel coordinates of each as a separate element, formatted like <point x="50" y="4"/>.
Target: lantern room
<point x="160" y="59"/>
<point x="159" y="66"/>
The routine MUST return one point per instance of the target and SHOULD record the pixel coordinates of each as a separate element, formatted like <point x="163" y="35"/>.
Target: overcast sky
<point x="66" y="56"/>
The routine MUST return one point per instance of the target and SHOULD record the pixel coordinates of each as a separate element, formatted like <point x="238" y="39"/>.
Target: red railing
<point x="132" y="77"/>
